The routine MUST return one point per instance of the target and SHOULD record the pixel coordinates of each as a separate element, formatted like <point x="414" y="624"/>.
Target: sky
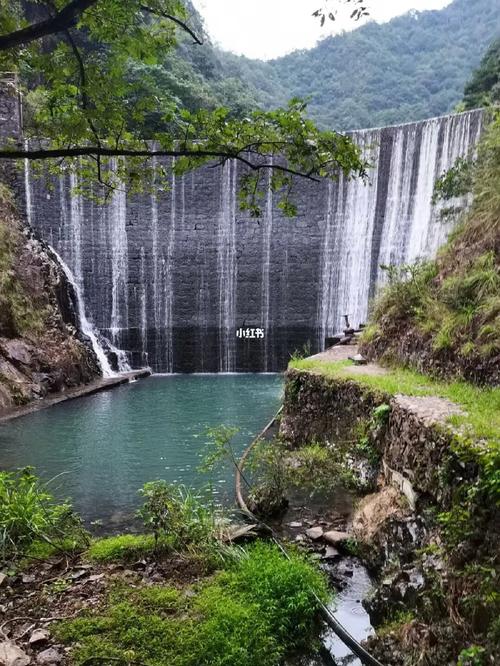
<point x="271" y="28"/>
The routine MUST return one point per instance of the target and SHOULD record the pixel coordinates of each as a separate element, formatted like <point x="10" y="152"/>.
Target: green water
<point x="106" y="446"/>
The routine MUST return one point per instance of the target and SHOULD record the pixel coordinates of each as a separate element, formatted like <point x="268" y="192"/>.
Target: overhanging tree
<point x="84" y="111"/>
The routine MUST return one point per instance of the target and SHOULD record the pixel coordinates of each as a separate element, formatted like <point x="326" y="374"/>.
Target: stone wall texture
<point x="171" y="279"/>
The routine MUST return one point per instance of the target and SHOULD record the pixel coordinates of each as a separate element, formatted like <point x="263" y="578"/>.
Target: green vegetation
<point x="31" y="521"/>
<point x="261" y="608"/>
<point x="175" y="515"/>
<point x="18" y="313"/>
<point x="481" y="406"/>
<point x="445" y="314"/>
<point x="123" y="548"/>
<point x="396" y="622"/>
<point x="100" y="103"/>
<point x="484" y="87"/>
<point x="413" y="67"/>
<point x="179" y="522"/>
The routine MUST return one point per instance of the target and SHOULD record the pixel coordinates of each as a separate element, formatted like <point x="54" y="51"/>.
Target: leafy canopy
<point x="85" y="110"/>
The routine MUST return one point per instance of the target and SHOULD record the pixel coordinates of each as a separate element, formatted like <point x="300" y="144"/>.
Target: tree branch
<point x="94" y="151"/>
<point x="176" y="20"/>
<point x="63" y="20"/>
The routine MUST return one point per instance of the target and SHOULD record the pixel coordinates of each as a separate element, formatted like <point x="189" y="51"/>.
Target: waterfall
<point x="169" y="282"/>
<point x="76" y="232"/>
<point x="266" y="262"/>
<point x="86" y="327"/>
<point x="27" y="187"/>
<point x="155" y="276"/>
<point x="392" y="219"/>
<point x="198" y="268"/>
<point x="144" y="314"/>
<point x="119" y="263"/>
<point x="226" y="265"/>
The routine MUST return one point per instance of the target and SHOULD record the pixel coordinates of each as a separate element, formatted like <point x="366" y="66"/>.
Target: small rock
<point x="314" y="533"/>
<point x="300" y="538"/>
<point x="12" y="655"/>
<point x="331" y="553"/>
<point x="3" y="579"/>
<point x="358" y="359"/>
<point x="28" y="579"/>
<point x="49" y="656"/>
<point x="94" y="578"/>
<point x="141" y="564"/>
<point x="38" y="637"/>
<point x="76" y="575"/>
<point x="295" y="524"/>
<point x="335" y="537"/>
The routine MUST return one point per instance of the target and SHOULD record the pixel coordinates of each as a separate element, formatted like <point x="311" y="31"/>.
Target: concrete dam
<point x="172" y="279"/>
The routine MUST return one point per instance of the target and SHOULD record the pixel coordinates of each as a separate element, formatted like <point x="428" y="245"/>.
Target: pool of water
<point x="101" y="449"/>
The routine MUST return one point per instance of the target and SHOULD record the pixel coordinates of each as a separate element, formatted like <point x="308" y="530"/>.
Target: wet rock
<point x="358" y="359"/>
<point x="314" y="533"/>
<point x="39" y="637"/>
<point x="49" y="656"/>
<point x="335" y="538"/>
<point x="12" y="655"/>
<point x="331" y="553"/>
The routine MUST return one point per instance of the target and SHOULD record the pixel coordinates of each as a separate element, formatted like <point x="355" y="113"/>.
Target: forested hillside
<point x="414" y="67"/>
<point x="484" y="87"/>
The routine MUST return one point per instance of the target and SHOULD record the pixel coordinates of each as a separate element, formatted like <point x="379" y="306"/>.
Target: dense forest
<point x="484" y="87"/>
<point x="376" y="75"/>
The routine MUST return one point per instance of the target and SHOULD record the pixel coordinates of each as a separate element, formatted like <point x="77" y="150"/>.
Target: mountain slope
<point x="413" y="67"/>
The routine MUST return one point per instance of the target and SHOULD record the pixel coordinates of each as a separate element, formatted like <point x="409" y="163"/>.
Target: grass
<point x="255" y="612"/>
<point x="481" y="406"/>
<point x="121" y="548"/>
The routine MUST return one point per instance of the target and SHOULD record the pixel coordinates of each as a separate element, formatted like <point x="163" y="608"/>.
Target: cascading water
<point x="266" y="262"/>
<point x="169" y="282"/>
<point x="119" y="263"/>
<point x="393" y="219"/>
<point x="144" y="313"/>
<point x="226" y="260"/>
<point x="197" y="268"/>
<point x="85" y="326"/>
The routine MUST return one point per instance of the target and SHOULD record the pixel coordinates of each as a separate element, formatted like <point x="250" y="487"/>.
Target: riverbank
<point x="96" y="386"/>
<point x="183" y="593"/>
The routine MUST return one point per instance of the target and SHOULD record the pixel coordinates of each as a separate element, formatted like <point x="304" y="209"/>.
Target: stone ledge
<point x="97" y="386"/>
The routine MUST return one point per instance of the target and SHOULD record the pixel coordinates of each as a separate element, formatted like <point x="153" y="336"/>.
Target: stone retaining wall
<point x="416" y="445"/>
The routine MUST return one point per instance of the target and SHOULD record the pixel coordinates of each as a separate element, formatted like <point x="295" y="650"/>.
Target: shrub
<point x="173" y="513"/>
<point x="29" y="513"/>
